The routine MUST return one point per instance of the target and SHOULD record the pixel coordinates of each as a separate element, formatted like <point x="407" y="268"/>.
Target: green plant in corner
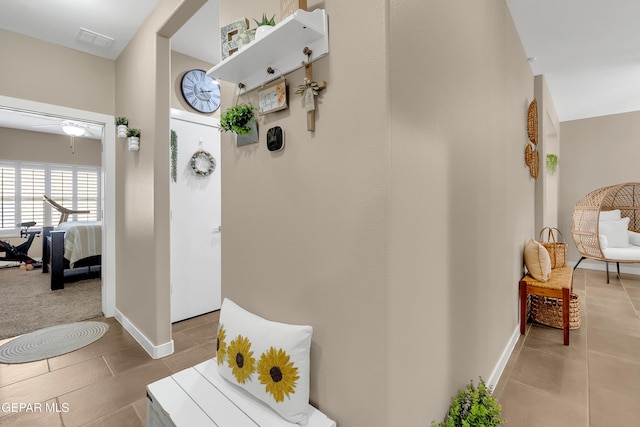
<point x="133" y="132"/>
<point x="552" y="162"/>
<point x="122" y="121"/>
<point x="473" y="407"/>
<point x="266" y="21"/>
<point x="236" y="119"/>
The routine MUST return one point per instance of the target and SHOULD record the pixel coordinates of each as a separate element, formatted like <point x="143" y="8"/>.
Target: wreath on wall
<point x="203" y="163"/>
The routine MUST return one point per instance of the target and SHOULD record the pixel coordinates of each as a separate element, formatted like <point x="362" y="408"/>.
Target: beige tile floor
<point x="102" y="384"/>
<point x="593" y="382"/>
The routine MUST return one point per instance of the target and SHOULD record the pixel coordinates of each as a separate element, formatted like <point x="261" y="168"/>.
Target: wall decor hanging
<point x="309" y="90"/>
<point x="552" y="162"/>
<point x="203" y="163"/>
<point x="240" y="120"/>
<point x="121" y="125"/>
<point x="133" y="136"/>
<point x="532" y="159"/>
<point x="174" y="156"/>
<point x="273" y="97"/>
<point x="532" y="122"/>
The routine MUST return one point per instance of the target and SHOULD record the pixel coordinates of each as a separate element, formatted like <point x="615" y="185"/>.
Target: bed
<point x="72" y="249"/>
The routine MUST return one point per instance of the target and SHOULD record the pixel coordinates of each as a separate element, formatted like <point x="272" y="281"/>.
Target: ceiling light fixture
<point x="72" y="129"/>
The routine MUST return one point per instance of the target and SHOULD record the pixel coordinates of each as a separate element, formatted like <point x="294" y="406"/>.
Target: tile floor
<point x="593" y="382"/>
<point x="102" y="384"/>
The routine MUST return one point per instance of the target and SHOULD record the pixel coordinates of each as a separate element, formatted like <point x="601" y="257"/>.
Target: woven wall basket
<point x="548" y="311"/>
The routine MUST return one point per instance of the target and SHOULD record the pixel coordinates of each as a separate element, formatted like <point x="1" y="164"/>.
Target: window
<point x="22" y="185"/>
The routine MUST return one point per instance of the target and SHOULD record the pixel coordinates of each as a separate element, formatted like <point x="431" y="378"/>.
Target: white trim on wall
<point x="108" y="183"/>
<point x="493" y="379"/>
<point x="155" y="351"/>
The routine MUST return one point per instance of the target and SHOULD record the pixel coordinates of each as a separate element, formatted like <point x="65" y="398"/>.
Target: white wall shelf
<point x="282" y="50"/>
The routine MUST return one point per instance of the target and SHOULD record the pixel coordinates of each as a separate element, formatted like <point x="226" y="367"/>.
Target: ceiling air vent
<point x="93" y="38"/>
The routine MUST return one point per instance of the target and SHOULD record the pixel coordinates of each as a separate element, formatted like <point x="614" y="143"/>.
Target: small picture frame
<point x="273" y="97"/>
<point x="231" y="36"/>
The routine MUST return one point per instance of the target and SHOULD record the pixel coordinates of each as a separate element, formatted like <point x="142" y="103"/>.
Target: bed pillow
<point x="616" y="231"/>
<point x="610" y="215"/>
<point x="537" y="260"/>
<point x="268" y="359"/>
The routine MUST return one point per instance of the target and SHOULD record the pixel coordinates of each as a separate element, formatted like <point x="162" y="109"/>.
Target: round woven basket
<point x="548" y="311"/>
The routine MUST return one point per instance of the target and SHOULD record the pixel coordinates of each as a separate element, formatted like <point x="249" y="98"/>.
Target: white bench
<point x="199" y="396"/>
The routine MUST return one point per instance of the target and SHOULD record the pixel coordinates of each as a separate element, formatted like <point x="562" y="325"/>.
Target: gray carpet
<point x="27" y="303"/>
<point x="51" y="342"/>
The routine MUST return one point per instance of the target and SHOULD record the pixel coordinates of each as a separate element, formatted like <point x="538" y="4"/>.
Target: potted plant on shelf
<point x="473" y="407"/>
<point x="121" y="124"/>
<point x="133" y="135"/>
<point x="265" y="26"/>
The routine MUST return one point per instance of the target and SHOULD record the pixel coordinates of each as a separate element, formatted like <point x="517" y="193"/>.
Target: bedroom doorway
<point x="108" y="179"/>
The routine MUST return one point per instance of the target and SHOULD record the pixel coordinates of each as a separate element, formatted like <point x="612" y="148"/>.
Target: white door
<point x="195" y="218"/>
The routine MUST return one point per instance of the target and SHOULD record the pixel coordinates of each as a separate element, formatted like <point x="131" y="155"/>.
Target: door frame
<point x="108" y="183"/>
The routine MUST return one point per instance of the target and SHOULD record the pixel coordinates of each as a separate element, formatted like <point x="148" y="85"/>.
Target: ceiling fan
<point x="73" y="128"/>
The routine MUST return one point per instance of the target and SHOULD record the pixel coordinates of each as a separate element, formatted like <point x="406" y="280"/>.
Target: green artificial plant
<point x="122" y="121"/>
<point x="266" y="21"/>
<point x="133" y="132"/>
<point x="174" y="156"/>
<point x="552" y="162"/>
<point x="473" y="407"/>
<point x="236" y="119"/>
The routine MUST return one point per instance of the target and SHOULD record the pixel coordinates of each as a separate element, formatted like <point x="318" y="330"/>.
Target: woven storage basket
<point x="548" y="311"/>
<point x="557" y="250"/>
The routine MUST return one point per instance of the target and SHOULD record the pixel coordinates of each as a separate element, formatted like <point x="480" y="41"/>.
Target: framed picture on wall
<point x="273" y="97"/>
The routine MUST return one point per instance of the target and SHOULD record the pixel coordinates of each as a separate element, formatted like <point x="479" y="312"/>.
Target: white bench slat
<point x="199" y="396"/>
<point x="169" y="398"/>
<point x="214" y="403"/>
<point x="253" y="407"/>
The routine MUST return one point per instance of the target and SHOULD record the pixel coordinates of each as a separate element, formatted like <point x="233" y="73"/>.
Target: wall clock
<point x="200" y="91"/>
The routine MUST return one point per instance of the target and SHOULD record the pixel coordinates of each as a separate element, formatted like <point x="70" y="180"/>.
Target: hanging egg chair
<point x="599" y="226"/>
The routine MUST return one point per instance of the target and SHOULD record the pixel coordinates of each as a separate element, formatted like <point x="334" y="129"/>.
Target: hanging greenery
<point x="552" y="162"/>
<point x="174" y="156"/>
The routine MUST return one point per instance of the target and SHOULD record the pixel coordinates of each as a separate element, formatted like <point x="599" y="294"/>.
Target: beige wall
<point x="16" y="144"/>
<point x="40" y="71"/>
<point x="143" y="77"/>
<point x="594" y="153"/>
<point x="397" y="228"/>
<point x="461" y="199"/>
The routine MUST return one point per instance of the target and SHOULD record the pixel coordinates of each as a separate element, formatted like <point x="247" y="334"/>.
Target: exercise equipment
<point x="20" y="252"/>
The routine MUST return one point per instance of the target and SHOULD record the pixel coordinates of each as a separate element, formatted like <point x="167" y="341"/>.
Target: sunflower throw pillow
<point x="268" y="359"/>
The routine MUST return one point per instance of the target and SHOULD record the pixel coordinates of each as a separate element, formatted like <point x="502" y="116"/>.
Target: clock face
<point x="201" y="91"/>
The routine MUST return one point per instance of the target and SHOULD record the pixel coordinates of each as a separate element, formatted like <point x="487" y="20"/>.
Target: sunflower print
<point x="221" y="350"/>
<point x="240" y="359"/>
<point x="277" y="374"/>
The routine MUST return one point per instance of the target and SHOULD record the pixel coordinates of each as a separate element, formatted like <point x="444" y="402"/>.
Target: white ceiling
<point x="61" y="21"/>
<point x="588" y="50"/>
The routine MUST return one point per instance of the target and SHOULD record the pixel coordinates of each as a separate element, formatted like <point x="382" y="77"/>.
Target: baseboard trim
<point x="155" y="351"/>
<point x="493" y="379"/>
